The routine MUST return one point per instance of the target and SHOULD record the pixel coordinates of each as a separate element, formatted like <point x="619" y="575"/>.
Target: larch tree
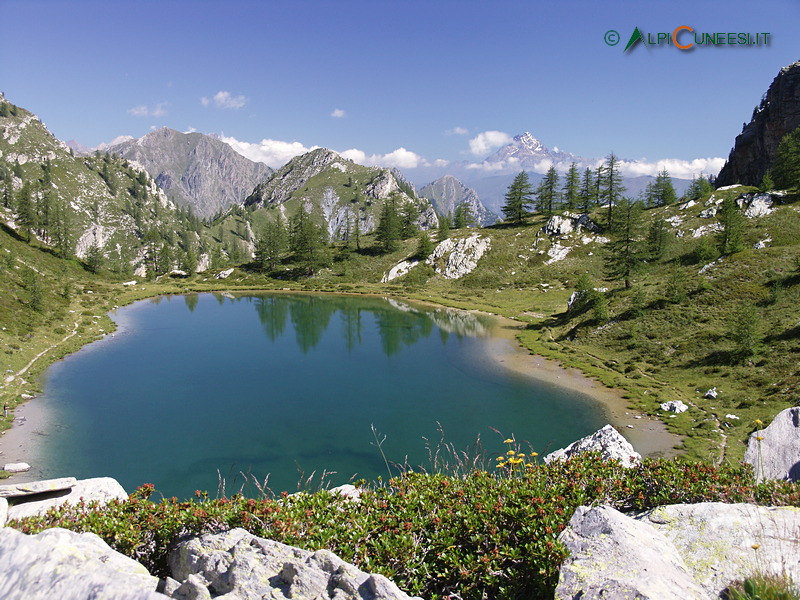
<point x="519" y="197"/>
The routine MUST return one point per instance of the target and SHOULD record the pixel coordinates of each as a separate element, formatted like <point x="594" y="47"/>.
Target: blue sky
<point x="400" y="82"/>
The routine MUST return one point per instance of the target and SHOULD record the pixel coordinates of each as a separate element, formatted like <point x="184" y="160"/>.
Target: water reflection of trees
<point x="398" y="324"/>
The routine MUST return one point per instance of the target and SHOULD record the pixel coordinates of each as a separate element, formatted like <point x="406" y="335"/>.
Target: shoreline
<point x="649" y="436"/>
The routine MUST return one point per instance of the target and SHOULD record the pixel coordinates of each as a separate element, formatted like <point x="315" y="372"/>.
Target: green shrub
<point x="481" y="535"/>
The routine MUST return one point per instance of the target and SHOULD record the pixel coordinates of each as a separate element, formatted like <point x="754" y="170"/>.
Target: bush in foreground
<point x="481" y="535"/>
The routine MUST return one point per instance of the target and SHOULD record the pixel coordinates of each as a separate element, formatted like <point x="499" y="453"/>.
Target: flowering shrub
<point x="482" y="535"/>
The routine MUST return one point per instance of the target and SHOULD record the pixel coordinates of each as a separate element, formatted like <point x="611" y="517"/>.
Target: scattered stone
<point x="129" y="283"/>
<point x="58" y="563"/>
<point x="557" y="252"/>
<point x="729" y="416"/>
<point x="761" y="244"/>
<point x="676" y="406"/>
<point x="223" y="274"/>
<point x="686" y="205"/>
<point x="99" y="489"/>
<point x="607" y="441"/>
<point x="15" y="490"/>
<point x="348" y="492"/>
<point x="708" y="213"/>
<point x="774" y="451"/>
<point x="19" y="467"/>
<point x="711" y="394"/>
<point x="245" y="566"/>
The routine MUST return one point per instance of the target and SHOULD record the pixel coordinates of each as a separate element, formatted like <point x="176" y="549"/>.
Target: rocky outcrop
<point x="755" y="148"/>
<point x="460" y="257"/>
<point x="607" y="441"/>
<point x="194" y="169"/>
<point x="559" y="225"/>
<point x="280" y="186"/>
<point x="448" y="193"/>
<point x="241" y="566"/>
<point x="681" y="551"/>
<point x="400" y="269"/>
<point x="69" y="566"/>
<point x="675" y="406"/>
<point x="774" y="451"/>
<point x="37" y="498"/>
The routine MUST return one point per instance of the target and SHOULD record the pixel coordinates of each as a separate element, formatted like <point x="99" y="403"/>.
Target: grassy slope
<point x="672" y="351"/>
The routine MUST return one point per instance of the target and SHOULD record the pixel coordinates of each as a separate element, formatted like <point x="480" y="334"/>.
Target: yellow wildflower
<point x="508" y="441"/>
<point x="756" y="546"/>
<point x="511" y="453"/>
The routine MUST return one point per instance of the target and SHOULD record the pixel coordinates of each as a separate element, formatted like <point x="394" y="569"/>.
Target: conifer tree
<point x="731" y="218"/>
<point x="444" y="228"/>
<point x="623" y="256"/>
<point x="390" y="226"/>
<point x="308" y="242"/>
<point x="463" y="217"/>
<point x="663" y="190"/>
<point x="785" y="170"/>
<point x="271" y="245"/>
<point x="519" y="198"/>
<point x="588" y="192"/>
<point x="570" y="194"/>
<point x="547" y="192"/>
<point x="424" y="246"/>
<point x="610" y="189"/>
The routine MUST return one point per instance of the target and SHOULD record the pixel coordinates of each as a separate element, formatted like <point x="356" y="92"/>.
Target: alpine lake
<point x="206" y="391"/>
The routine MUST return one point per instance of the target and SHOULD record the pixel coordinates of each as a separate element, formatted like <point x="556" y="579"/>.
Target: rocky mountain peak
<point x="530" y="143"/>
<point x="755" y="147"/>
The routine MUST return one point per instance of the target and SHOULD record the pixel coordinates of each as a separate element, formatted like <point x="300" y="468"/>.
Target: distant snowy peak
<point x="529" y="153"/>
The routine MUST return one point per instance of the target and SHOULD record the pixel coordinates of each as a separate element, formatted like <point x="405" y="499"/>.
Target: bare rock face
<point x="279" y="187"/>
<point x="62" y="564"/>
<point x="614" y="556"/>
<point x="195" y="169"/>
<point x="448" y="193"/>
<point x="607" y="441"/>
<point x="238" y="565"/>
<point x="462" y="255"/>
<point x="756" y="147"/>
<point x="774" y="452"/>
<point x="680" y="551"/>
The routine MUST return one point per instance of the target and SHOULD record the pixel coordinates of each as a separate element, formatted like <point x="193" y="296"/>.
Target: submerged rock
<point x="607" y="441"/>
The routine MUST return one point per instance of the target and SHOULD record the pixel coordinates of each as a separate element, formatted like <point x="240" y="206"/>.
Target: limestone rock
<point x="756" y="147"/>
<point x="759" y="205"/>
<point x="400" y="269"/>
<point x="675" y="406"/>
<point x="678" y="551"/>
<point x="614" y="556"/>
<point x="711" y="394"/>
<point x="557" y="252"/>
<point x="721" y="543"/>
<point x="462" y="255"/>
<point x="58" y="563"/>
<point x="3" y="512"/>
<point x="98" y="489"/>
<point x="557" y="225"/>
<point x="236" y="564"/>
<point x="36" y="487"/>
<point x="19" y="467"/>
<point x="777" y="454"/>
<point x="223" y="274"/>
<point x="607" y="441"/>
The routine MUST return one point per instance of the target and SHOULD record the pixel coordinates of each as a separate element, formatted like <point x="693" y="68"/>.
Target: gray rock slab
<point x="614" y="556"/>
<point x="236" y="564"/>
<point x="607" y="441"/>
<point x="98" y="489"/>
<point x="721" y="543"/>
<point x="69" y="566"/>
<point x="36" y="487"/>
<point x="777" y="454"/>
<point x="19" y="467"/>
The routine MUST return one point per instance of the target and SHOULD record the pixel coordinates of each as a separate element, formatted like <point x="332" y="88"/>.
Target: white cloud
<point x="400" y="158"/>
<point x="159" y="110"/>
<point x="485" y="142"/>
<point x="273" y="153"/>
<point x="191" y="130"/>
<point x="682" y="169"/>
<point x="457" y="131"/>
<point x="337" y="113"/>
<point x="224" y="100"/>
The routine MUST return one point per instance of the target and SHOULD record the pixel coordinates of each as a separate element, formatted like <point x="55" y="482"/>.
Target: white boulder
<point x="675" y="406"/>
<point x="607" y="441"/>
<point x="400" y="269"/>
<point x="19" y="467"/>
<point x="99" y="489"/>
<point x="774" y="451"/>
<point x="223" y="274"/>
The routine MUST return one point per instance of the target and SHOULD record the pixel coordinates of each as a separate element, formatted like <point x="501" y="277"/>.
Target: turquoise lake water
<point x="196" y="387"/>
